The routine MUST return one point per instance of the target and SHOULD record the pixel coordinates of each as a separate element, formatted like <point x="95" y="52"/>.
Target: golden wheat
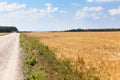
<point x="97" y="49"/>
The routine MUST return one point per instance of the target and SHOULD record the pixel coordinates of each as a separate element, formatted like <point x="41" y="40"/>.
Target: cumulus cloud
<point x="103" y="1"/>
<point x="114" y="12"/>
<point x="21" y="14"/>
<point x="4" y="6"/>
<point x="50" y="9"/>
<point x="89" y="12"/>
<point x="21" y="10"/>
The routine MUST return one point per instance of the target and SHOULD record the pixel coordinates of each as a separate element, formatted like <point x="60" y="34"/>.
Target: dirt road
<point x="9" y="57"/>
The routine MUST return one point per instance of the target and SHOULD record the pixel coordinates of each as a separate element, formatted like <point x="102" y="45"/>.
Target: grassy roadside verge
<point x="41" y="63"/>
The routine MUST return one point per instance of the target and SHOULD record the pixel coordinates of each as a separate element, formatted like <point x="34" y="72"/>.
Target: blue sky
<point x="47" y="15"/>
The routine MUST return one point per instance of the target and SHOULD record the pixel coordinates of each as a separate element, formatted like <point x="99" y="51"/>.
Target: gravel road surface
<point x="9" y="57"/>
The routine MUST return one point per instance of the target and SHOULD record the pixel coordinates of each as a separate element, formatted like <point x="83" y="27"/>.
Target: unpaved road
<point x="9" y="57"/>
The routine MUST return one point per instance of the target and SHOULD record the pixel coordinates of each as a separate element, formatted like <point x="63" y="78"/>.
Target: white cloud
<point x="20" y="14"/>
<point x="4" y="6"/>
<point x="89" y="12"/>
<point x="50" y="9"/>
<point x="21" y="10"/>
<point x="92" y="9"/>
<point x="99" y="1"/>
<point x="90" y="0"/>
<point x="114" y="12"/>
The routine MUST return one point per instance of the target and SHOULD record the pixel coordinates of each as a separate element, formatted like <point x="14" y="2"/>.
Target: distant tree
<point x="93" y="30"/>
<point x="8" y="29"/>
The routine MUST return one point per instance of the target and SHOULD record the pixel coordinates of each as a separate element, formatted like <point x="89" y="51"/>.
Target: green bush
<point x="31" y="60"/>
<point x="34" y="76"/>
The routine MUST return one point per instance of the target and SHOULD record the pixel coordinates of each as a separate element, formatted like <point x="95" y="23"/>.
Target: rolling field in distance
<point x="97" y="50"/>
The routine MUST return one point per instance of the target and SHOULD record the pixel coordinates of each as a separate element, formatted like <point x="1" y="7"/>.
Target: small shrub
<point x="34" y="76"/>
<point x="31" y="60"/>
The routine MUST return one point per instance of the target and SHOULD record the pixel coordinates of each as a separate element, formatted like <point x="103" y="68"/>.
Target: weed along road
<point x="9" y="57"/>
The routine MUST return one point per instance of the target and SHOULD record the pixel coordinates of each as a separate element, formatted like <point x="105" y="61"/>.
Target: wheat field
<point x="100" y="50"/>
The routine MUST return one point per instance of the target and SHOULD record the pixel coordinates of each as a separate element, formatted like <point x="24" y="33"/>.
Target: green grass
<point x="43" y="65"/>
<point x="34" y="76"/>
<point x="31" y="60"/>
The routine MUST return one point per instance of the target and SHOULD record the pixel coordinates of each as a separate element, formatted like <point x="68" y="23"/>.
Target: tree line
<point x="8" y="29"/>
<point x="92" y="30"/>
